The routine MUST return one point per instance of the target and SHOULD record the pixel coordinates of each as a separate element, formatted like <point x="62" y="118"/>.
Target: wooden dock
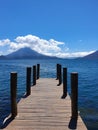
<point x="44" y="109"/>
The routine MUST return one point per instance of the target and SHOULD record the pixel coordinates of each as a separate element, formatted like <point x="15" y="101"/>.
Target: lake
<point x="88" y="84"/>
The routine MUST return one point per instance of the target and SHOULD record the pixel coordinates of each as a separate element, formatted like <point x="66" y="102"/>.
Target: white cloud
<point x="48" y="47"/>
<point x="40" y="45"/>
<point x="74" y="54"/>
<point x="4" y="42"/>
<point x="1" y="52"/>
<point x="80" y="40"/>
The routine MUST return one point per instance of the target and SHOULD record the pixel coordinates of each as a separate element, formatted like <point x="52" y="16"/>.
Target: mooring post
<point x="57" y="71"/>
<point x="74" y="94"/>
<point x="64" y="82"/>
<point x="13" y="87"/>
<point x="38" y="71"/>
<point x="28" y="81"/>
<point x="60" y="74"/>
<point x="34" y="75"/>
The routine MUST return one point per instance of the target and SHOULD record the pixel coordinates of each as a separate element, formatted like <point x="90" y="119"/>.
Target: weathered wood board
<point x="45" y="110"/>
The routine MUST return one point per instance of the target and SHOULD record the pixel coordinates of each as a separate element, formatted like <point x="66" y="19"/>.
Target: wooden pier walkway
<point x="45" y="110"/>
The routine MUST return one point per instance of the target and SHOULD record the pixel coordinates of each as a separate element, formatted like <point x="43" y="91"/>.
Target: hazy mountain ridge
<point x="25" y="53"/>
<point x="92" y="56"/>
<point x="2" y="57"/>
<point x="28" y="53"/>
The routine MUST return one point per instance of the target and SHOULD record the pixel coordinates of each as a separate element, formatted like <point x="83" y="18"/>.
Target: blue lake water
<point x="88" y="84"/>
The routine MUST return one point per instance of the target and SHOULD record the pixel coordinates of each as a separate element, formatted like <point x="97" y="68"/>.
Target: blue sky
<point x="65" y="28"/>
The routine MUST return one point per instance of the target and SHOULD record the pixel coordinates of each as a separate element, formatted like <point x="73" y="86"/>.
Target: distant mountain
<point x="27" y="53"/>
<point x="2" y="57"/>
<point x="92" y="56"/>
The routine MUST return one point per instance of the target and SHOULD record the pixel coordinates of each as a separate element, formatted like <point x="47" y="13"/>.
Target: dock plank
<point x="45" y="110"/>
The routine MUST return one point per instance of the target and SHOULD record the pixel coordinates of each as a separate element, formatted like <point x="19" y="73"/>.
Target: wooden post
<point x="64" y="82"/>
<point x="74" y="94"/>
<point x="38" y="70"/>
<point x="57" y="71"/>
<point x="13" y="86"/>
<point x="28" y="81"/>
<point x="60" y="75"/>
<point x="34" y="75"/>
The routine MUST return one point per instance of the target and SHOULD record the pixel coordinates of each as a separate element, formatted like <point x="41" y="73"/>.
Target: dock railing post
<point x="38" y="71"/>
<point x="13" y="87"/>
<point x="28" y="81"/>
<point x="57" y="71"/>
<point x="60" y="74"/>
<point x="74" y="94"/>
<point x="64" y="82"/>
<point x="34" y="75"/>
